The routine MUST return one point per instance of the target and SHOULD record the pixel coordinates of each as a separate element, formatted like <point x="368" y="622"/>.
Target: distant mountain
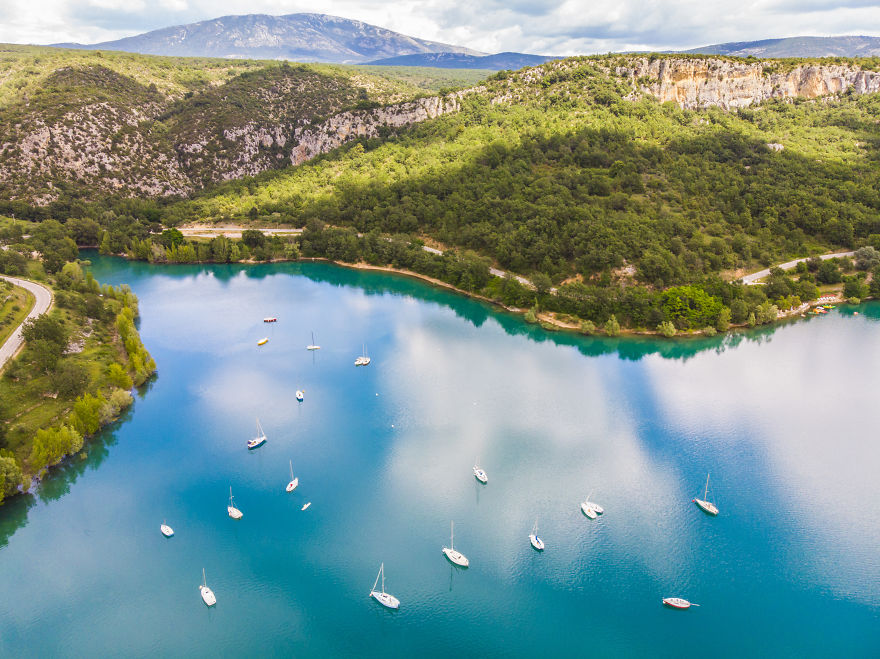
<point x="511" y="61"/>
<point x="847" y="46"/>
<point x="300" y="37"/>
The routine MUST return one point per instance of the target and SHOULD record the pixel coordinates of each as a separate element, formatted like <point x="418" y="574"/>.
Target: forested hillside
<point x="574" y="175"/>
<point x="75" y="124"/>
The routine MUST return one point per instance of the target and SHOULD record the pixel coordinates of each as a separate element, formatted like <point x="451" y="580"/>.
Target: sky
<point x="557" y="27"/>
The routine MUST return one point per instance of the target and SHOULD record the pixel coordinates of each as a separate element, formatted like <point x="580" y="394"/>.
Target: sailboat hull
<point x="292" y="485"/>
<point x="456" y="557"/>
<point x="255" y="443"/>
<point x="707" y="507"/>
<point x="386" y="600"/>
<point x="207" y="596"/>
<point x="537" y="543"/>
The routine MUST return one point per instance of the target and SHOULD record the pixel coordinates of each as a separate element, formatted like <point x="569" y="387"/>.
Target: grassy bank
<point x="74" y="376"/>
<point x="15" y="303"/>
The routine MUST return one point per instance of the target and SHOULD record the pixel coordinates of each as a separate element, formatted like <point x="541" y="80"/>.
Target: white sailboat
<point x="479" y="473"/>
<point x="231" y="510"/>
<point x="537" y="543"/>
<point x="300" y="394"/>
<point x="385" y="599"/>
<point x="451" y="553"/>
<point x="678" y="603"/>
<point x="259" y="440"/>
<point x="206" y="593"/>
<point x="363" y="360"/>
<point x="166" y="530"/>
<point x="704" y="503"/>
<point x="590" y="509"/>
<point x="291" y="486"/>
<point x="313" y="345"/>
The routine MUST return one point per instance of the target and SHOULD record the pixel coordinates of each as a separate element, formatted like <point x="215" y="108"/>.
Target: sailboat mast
<point x="706" y="493"/>
<point x="373" y="589"/>
<point x="204" y="578"/>
<point x="452" y="535"/>
<point x="382" y="572"/>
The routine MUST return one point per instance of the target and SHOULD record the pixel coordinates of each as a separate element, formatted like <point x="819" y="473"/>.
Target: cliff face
<point x="101" y="132"/>
<point x="702" y="83"/>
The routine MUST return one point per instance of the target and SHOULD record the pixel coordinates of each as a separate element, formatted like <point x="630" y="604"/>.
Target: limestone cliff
<point x="701" y="83"/>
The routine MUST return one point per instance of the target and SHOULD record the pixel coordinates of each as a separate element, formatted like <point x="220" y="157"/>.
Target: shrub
<point x="666" y="328"/>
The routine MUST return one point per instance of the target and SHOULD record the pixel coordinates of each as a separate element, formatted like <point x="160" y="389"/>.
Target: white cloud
<point x="545" y="26"/>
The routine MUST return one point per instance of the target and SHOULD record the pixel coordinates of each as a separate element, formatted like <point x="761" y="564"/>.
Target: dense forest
<point x="615" y="206"/>
<point x="80" y="360"/>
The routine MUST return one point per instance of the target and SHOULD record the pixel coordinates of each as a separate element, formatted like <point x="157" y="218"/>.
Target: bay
<point x="783" y="418"/>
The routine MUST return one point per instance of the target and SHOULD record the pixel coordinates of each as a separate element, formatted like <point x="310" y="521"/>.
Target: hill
<point x="84" y="123"/>
<point x="497" y="62"/>
<point x="846" y="46"/>
<point x="636" y="185"/>
<point x="298" y="37"/>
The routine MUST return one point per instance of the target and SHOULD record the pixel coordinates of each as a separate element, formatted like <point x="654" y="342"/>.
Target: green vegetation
<point x="612" y="204"/>
<point x="15" y="303"/>
<point x="73" y="376"/>
<point x="427" y="78"/>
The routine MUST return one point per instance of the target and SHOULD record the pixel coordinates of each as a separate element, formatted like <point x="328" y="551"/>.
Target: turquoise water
<point x="784" y="420"/>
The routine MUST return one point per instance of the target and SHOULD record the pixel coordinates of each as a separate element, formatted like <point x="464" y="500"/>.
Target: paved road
<point x="231" y="232"/>
<point x="43" y="300"/>
<point x="752" y="279"/>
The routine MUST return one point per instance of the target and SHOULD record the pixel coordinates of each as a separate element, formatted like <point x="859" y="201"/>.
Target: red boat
<point x="677" y="603"/>
<point x="270" y="319"/>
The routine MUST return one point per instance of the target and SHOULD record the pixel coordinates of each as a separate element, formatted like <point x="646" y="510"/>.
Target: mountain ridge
<point x="496" y="62"/>
<point x="802" y="46"/>
<point x="302" y="37"/>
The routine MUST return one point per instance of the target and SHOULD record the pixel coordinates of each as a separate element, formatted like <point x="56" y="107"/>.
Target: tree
<point x="828" y="273"/>
<point x="612" y="327"/>
<point x="723" y="322"/>
<point x="855" y="287"/>
<point x="588" y="327"/>
<point x="666" y="328"/>
<point x="739" y="310"/>
<point x="10" y="476"/>
<point x="867" y="258"/>
<point x="70" y="380"/>
<point x="542" y="283"/>
<point x="118" y="377"/>
<point x="253" y="238"/>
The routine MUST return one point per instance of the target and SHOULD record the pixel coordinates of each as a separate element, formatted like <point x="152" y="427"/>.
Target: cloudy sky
<point x="559" y="27"/>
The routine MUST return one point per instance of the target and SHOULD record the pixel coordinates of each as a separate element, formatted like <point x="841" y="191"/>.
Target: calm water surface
<point x="784" y="420"/>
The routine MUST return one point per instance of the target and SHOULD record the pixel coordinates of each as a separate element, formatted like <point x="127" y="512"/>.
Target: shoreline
<point x="543" y="318"/>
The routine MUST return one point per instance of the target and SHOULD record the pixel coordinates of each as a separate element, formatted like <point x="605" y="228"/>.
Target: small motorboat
<point x="705" y="505"/>
<point x="537" y="543"/>
<point x="263" y="341"/>
<point x="166" y="530"/>
<point x="231" y="510"/>
<point x="385" y="599"/>
<point x="479" y="473"/>
<point x="454" y="556"/>
<point x="206" y="593"/>
<point x="300" y="395"/>
<point x="259" y="440"/>
<point x="305" y="506"/>
<point x="270" y="319"/>
<point x="678" y="603"/>
<point x="294" y="482"/>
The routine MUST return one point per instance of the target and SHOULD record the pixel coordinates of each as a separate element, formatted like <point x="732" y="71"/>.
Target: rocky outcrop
<point x="701" y="83"/>
<point x="315" y="140"/>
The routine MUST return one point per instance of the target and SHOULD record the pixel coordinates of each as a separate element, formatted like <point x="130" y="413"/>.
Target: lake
<point x="783" y="419"/>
